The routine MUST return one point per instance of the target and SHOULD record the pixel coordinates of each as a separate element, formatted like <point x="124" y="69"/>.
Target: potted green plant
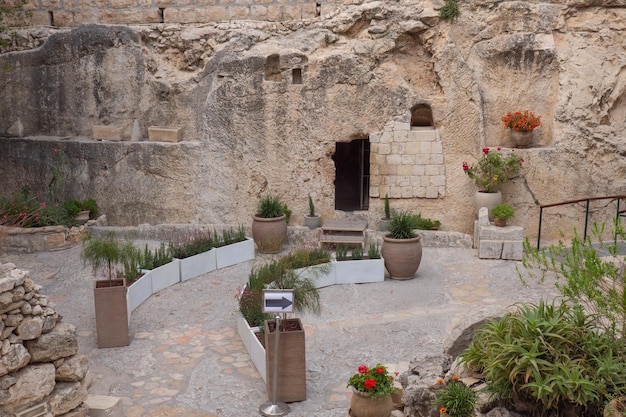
<point x="109" y="294"/>
<point x="312" y="220"/>
<point x="371" y="392"/>
<point x="522" y="124"/>
<point x="384" y="222"/>
<point x="494" y="169"/>
<point x="502" y="213"/>
<point x="269" y="224"/>
<point x="402" y="248"/>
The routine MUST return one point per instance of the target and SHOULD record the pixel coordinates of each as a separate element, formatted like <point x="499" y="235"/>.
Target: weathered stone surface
<point x="33" y="384"/>
<point x="30" y="328"/>
<point x="72" y="369"/>
<point x="67" y="396"/>
<point x="59" y="343"/>
<point x="15" y="357"/>
<point x="81" y="411"/>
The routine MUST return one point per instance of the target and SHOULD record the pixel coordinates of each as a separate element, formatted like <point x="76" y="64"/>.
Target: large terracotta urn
<point x="269" y="233"/>
<point x="402" y="256"/>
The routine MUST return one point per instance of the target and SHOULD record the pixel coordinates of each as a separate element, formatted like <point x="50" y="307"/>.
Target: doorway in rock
<point x="352" y="175"/>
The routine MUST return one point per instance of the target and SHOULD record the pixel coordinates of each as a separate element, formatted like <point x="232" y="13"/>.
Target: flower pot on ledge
<point x="522" y="138"/>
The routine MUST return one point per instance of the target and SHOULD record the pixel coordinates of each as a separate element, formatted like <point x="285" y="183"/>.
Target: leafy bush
<point x="270" y="206"/>
<point x="455" y="399"/>
<point x="402" y="225"/>
<point x="548" y="357"/>
<point x="503" y="212"/>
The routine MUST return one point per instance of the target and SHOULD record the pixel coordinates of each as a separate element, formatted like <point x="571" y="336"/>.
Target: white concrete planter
<point x="322" y="275"/>
<point x="360" y="271"/>
<point x="253" y="345"/>
<point x="199" y="264"/>
<point x="165" y="276"/>
<point x="235" y="253"/>
<point x="139" y="291"/>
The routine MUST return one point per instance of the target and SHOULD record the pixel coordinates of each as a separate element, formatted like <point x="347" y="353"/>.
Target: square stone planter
<point x="291" y="384"/>
<point x="112" y="315"/>
<point x="199" y="264"/>
<point x="235" y="253"/>
<point x="360" y="271"/>
<point x="165" y="276"/>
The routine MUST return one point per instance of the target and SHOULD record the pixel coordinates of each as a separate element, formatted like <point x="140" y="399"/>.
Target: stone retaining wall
<point x="71" y="14"/>
<point x="40" y="368"/>
<point x="34" y="239"/>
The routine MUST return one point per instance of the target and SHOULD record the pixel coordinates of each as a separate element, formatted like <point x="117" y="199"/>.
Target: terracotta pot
<point x="522" y="138"/>
<point x="269" y="234"/>
<point x="499" y="222"/>
<point x="402" y="256"/>
<point x="82" y="217"/>
<point x="489" y="200"/>
<point x="363" y="405"/>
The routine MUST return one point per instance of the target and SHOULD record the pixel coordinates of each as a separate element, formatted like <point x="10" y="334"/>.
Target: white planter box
<point x="360" y="271"/>
<point x="197" y="265"/>
<point x="165" y="276"/>
<point x="235" y="253"/>
<point x="139" y="291"/>
<point x="253" y="345"/>
<point x="322" y="275"/>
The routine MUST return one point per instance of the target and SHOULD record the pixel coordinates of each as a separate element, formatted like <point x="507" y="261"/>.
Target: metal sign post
<point x="276" y="301"/>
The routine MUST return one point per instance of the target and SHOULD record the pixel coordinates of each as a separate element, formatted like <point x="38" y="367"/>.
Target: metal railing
<point x="618" y="212"/>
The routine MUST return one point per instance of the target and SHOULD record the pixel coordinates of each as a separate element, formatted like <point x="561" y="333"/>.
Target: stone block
<point x="107" y="133"/>
<point x="217" y="13"/>
<point x="104" y="406"/>
<point x="164" y="134"/>
<point x="513" y="250"/>
<point x="489" y="249"/>
<point x="492" y="232"/>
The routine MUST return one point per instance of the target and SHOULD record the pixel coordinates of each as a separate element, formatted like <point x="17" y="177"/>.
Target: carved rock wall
<point x="40" y="365"/>
<point x="262" y="105"/>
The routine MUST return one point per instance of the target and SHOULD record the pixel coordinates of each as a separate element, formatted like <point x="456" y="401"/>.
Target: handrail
<point x="587" y="200"/>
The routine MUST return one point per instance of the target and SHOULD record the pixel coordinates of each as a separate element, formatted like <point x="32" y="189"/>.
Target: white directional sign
<point x="278" y="301"/>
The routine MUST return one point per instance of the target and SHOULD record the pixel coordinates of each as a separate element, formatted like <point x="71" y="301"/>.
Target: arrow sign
<point x="277" y="301"/>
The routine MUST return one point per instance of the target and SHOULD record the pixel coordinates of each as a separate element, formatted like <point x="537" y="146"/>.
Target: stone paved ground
<point x="186" y="359"/>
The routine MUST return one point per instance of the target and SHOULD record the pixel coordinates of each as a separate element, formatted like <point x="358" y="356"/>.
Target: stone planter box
<point x="359" y="271"/>
<point x="322" y="275"/>
<point x="165" y="276"/>
<point x="198" y="264"/>
<point x="138" y="292"/>
<point x="253" y="345"/>
<point x="235" y="253"/>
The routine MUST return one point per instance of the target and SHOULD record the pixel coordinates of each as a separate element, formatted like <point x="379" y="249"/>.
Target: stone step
<point x="344" y="226"/>
<point x="360" y="240"/>
<point x="104" y="406"/>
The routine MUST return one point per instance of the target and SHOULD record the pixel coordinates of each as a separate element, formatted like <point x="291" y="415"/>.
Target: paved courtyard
<point x="186" y="359"/>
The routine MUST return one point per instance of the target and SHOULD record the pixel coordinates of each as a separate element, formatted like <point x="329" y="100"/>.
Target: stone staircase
<point x="345" y="232"/>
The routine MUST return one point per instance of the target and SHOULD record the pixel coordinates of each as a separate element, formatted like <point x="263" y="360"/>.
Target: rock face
<point x="39" y="364"/>
<point x="265" y="107"/>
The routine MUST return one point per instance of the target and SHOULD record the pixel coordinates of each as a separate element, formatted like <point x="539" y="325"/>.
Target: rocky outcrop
<point x="40" y="364"/>
<point x="262" y="107"/>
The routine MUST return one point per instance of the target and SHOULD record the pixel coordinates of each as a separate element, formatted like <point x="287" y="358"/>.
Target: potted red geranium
<point x="372" y="389"/>
<point x="522" y="124"/>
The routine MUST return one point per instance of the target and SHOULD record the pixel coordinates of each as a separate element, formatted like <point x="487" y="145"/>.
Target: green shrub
<point x="423" y="223"/>
<point x="270" y="206"/>
<point x="503" y="212"/>
<point x="450" y="11"/>
<point x="341" y="253"/>
<point x="387" y="209"/>
<point x="456" y="398"/>
<point x="402" y="225"/>
<point x="374" y="251"/>
<point x="311" y="207"/>
<point x="91" y="205"/>
<point x="72" y="207"/>
<point x="357" y="252"/>
<point x="549" y="356"/>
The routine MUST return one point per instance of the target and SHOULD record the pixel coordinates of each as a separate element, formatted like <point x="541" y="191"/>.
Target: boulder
<point x="32" y="384"/>
<point x="60" y="342"/>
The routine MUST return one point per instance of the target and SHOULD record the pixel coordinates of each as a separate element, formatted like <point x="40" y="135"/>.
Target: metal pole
<point x="586" y="221"/>
<point x="274" y="408"/>
<point x="539" y="231"/>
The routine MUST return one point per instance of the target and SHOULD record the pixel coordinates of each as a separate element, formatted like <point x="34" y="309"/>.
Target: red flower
<point x="485" y="151"/>
<point x="499" y="148"/>
<point x="465" y="166"/>
<point x="363" y="369"/>
<point x="380" y="370"/>
<point x="370" y="383"/>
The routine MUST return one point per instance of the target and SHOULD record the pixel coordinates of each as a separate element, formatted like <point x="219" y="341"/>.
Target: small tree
<point x="108" y="251"/>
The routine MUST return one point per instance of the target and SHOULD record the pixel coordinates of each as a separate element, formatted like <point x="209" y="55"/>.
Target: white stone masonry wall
<point x="39" y="363"/>
<point x="407" y="162"/>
